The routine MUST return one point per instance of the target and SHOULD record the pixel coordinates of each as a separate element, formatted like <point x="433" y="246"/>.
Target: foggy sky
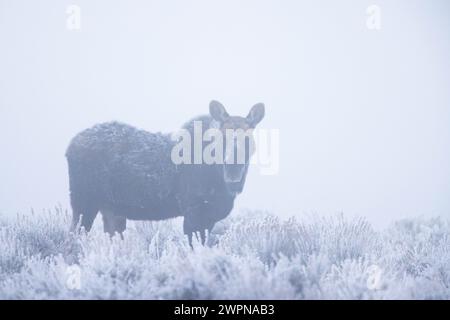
<point x="363" y="115"/>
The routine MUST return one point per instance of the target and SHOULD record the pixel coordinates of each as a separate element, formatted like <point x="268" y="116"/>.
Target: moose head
<point x="238" y="142"/>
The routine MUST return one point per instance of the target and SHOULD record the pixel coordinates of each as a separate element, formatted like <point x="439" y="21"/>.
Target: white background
<point x="363" y="115"/>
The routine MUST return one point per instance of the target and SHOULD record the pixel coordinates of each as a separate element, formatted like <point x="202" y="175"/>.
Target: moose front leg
<point x="189" y="230"/>
<point x="191" y="226"/>
<point x="190" y="239"/>
<point x="203" y="236"/>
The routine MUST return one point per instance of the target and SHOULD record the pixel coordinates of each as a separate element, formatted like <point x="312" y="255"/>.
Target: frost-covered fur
<point x="127" y="173"/>
<point x="257" y="256"/>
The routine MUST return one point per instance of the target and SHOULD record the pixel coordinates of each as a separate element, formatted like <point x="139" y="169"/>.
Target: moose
<point x="128" y="173"/>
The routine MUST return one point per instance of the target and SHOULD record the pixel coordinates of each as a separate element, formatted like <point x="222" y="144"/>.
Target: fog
<point x="363" y="114"/>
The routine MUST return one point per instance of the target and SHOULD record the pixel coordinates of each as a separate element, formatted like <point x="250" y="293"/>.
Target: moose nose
<point x="233" y="173"/>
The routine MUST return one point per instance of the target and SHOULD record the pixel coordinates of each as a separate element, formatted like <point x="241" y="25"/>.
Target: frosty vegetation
<point x="252" y="255"/>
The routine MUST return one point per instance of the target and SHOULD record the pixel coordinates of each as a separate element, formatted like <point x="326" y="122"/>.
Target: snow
<point x="251" y="255"/>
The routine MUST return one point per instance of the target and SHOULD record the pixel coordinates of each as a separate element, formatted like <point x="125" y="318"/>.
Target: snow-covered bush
<point x="254" y="255"/>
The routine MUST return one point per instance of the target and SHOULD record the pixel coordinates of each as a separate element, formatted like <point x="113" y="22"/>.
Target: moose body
<point x="127" y="173"/>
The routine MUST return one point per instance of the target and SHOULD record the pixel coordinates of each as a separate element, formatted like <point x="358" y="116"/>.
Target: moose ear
<point x="217" y="111"/>
<point x="256" y="114"/>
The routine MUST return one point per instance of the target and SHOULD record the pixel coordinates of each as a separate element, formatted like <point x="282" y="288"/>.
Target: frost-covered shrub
<point x="418" y="251"/>
<point x="265" y="236"/>
<point x="268" y="237"/>
<point x="44" y="234"/>
<point x="410" y="244"/>
<point x="253" y="255"/>
<point x="341" y="239"/>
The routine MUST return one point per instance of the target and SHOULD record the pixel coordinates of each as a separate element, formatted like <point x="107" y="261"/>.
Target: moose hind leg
<point x="87" y="219"/>
<point x="83" y="207"/>
<point x="75" y="221"/>
<point x="113" y="223"/>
